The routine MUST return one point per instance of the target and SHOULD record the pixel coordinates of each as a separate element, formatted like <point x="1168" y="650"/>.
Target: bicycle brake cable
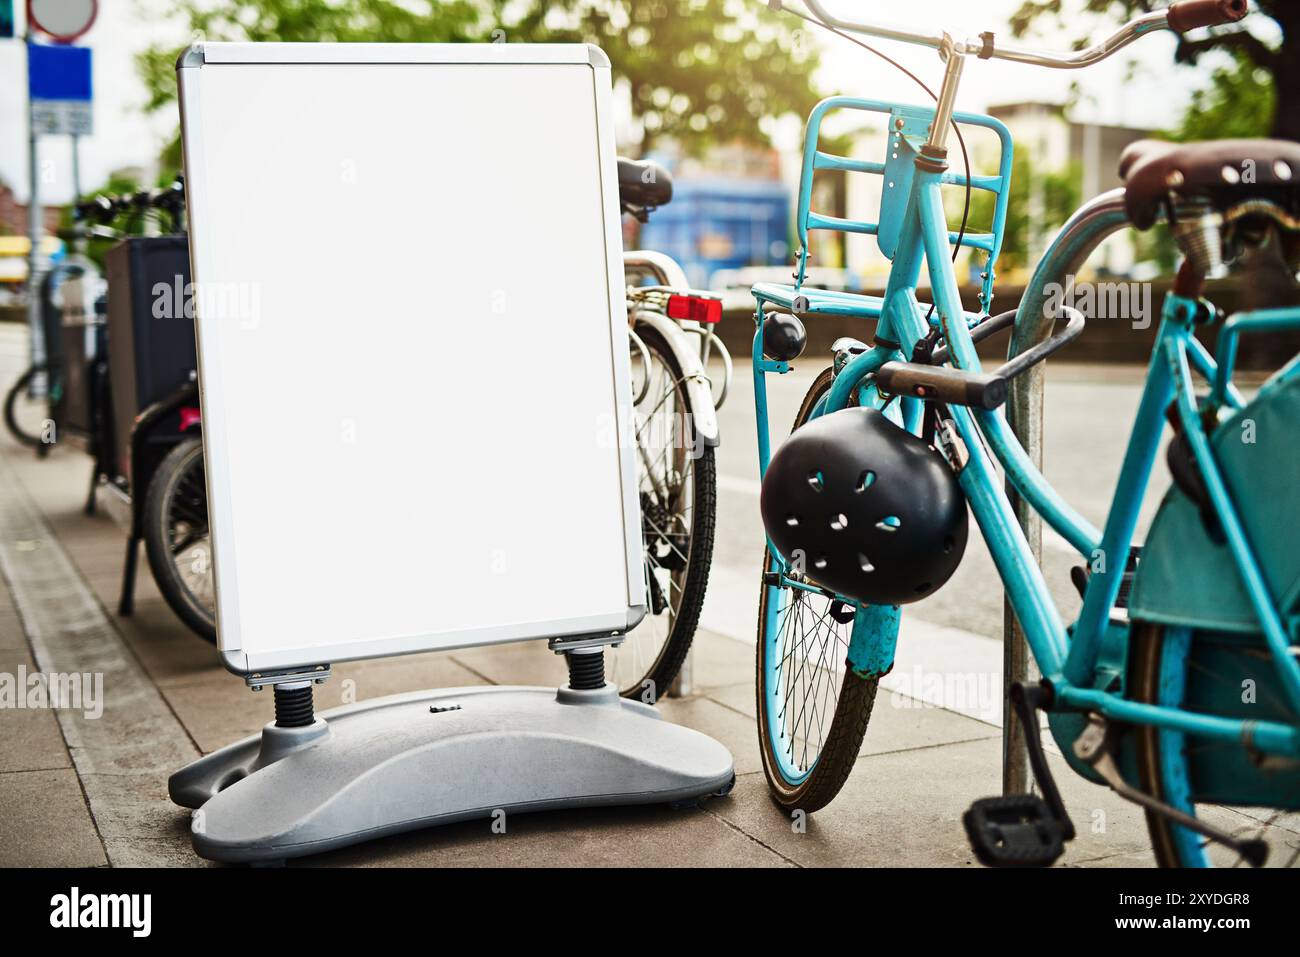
<point x="961" y="140"/>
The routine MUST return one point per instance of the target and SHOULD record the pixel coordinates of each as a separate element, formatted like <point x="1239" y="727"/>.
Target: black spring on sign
<point x="586" y="671"/>
<point x="293" y="707"/>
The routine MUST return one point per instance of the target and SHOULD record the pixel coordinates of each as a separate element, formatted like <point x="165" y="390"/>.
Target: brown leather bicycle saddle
<point x="1226" y="171"/>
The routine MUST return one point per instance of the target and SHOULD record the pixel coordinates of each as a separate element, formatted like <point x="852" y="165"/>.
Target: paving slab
<point x="30" y="739"/>
<point x="904" y="808"/>
<point x="520" y="663"/>
<point x="123" y="754"/>
<point x="596" y="837"/>
<point x="735" y="730"/>
<point x="44" y="821"/>
<point x="721" y="660"/>
<point x="898" y="723"/>
<point x="11" y="628"/>
<point x="217" y="708"/>
<point x="360" y="680"/>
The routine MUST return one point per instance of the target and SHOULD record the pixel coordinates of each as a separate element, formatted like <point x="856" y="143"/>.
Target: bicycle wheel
<point x="677" y="484"/>
<point x="28" y="418"/>
<point x="176" y="537"/>
<point x="1160" y="661"/>
<point x="812" y="710"/>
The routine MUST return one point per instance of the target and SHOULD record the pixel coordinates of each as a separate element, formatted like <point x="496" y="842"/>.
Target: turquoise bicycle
<point x="1177" y="685"/>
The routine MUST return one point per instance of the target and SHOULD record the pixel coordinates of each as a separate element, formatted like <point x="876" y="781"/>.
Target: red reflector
<point x="695" y="308"/>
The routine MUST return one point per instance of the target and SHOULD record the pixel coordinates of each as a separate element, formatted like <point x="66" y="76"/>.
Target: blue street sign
<point x="59" y="78"/>
<point x="58" y="72"/>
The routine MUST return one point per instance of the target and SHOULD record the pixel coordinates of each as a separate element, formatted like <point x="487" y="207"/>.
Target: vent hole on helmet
<point x="792" y="520"/>
<point x="922" y="588"/>
<point x="890" y="523"/>
<point x="839" y="522"/>
<point x="820" y="563"/>
<point x="865" y="481"/>
<point x="815" y="480"/>
<point x="865" y="563"/>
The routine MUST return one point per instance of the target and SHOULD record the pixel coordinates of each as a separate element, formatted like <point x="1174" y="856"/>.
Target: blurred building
<point x="1052" y="142"/>
<point x="13" y="214"/>
<point x="1057" y="143"/>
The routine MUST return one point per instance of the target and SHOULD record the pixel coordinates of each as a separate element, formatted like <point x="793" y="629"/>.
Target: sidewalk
<point x="80" y="791"/>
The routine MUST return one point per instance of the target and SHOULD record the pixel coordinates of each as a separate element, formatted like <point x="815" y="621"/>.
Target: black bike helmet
<point x="865" y="509"/>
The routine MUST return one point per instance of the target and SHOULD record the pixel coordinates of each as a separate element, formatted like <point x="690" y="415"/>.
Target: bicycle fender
<point x="874" y="639"/>
<point x="698" y="386"/>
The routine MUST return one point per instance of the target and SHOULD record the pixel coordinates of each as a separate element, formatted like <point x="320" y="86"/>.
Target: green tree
<point x="700" y="72"/>
<point x="1239" y="102"/>
<point x="1039" y="203"/>
<point x="1245" y="98"/>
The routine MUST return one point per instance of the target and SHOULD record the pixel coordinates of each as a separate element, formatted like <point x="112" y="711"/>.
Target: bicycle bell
<point x="864" y="508"/>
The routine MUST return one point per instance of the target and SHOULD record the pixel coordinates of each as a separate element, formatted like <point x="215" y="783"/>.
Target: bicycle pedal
<point x="1018" y="830"/>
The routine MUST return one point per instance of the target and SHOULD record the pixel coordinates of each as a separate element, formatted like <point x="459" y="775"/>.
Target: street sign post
<point x="58" y="101"/>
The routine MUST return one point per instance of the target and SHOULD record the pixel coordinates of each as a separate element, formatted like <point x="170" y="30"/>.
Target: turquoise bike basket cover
<point x="1187" y="578"/>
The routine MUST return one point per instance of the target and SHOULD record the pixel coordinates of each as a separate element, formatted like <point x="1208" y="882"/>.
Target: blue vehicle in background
<point x="720" y="224"/>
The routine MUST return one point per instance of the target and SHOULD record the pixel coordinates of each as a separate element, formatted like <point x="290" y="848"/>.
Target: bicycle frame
<point x="1072" y="660"/>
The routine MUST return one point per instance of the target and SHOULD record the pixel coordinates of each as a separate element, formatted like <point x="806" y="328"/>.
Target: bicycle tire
<point x="1146" y="645"/>
<point x="11" y="409"/>
<point x="664" y="667"/>
<point x="177" y="468"/>
<point x="853" y="706"/>
<point x="1150" y="683"/>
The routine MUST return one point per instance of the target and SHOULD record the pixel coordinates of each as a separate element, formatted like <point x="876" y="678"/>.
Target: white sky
<point x="123" y="136"/>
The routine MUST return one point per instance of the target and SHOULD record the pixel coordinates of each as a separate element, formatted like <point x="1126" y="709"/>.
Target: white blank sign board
<point x="412" y="347"/>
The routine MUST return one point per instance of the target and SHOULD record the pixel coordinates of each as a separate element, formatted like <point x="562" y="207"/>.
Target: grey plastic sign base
<point x="409" y="761"/>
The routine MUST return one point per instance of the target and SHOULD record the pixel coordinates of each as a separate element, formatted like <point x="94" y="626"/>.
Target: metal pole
<point x="1025" y="415"/>
<point x="1087" y="228"/>
<point x="76" y="169"/>
<point x="35" y="258"/>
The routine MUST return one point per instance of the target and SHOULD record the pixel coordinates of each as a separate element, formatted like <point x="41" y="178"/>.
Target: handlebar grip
<point x="1187" y="15"/>
<point x="954" y="386"/>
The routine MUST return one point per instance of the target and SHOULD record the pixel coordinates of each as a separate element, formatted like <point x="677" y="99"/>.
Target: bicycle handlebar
<point x="106" y="208"/>
<point x="101" y="209"/>
<point x="1181" y="16"/>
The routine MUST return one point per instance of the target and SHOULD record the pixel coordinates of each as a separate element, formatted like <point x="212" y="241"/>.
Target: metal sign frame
<point x="250" y="200"/>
